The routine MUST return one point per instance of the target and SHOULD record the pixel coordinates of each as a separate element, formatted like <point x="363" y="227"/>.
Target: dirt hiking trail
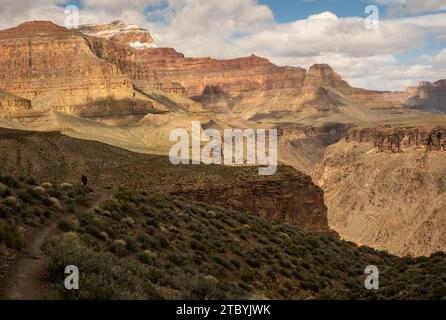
<point x="27" y="278"/>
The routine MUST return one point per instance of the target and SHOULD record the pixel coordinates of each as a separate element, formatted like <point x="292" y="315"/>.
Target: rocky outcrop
<point x="10" y="103"/>
<point x="215" y="99"/>
<point x="400" y="138"/>
<point x="120" y="33"/>
<point x="427" y="96"/>
<point x="322" y="75"/>
<point x="288" y="196"/>
<point x="56" y="66"/>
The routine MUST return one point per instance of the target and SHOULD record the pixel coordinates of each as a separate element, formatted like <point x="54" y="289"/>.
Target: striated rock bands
<point x="385" y="186"/>
<point x="12" y="103"/>
<point x="56" y="67"/>
<point x="401" y="138"/>
<point x="289" y="197"/>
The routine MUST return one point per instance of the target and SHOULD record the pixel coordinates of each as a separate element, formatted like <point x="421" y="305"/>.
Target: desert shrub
<point x="9" y="181"/>
<point x="11" y="236"/>
<point x="46" y="185"/>
<point x="54" y="202"/>
<point x="145" y="258"/>
<point x="177" y="259"/>
<point x="198" y="246"/>
<point x="36" y="192"/>
<point x="11" y="201"/>
<point x="25" y="197"/>
<point x="30" y="180"/>
<point x="103" y="276"/>
<point x="209" y="288"/>
<point x="129" y="221"/>
<point x="130" y="243"/>
<point x="224" y="263"/>
<point x="4" y="190"/>
<point x="55" y="193"/>
<point x="83" y="200"/>
<point x="67" y="225"/>
<point x="110" y="205"/>
<point x="66" y="186"/>
<point x="119" y="248"/>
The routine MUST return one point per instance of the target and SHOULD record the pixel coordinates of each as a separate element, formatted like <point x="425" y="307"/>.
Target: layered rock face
<point x="62" y="69"/>
<point x="232" y="76"/>
<point x="10" y="103"/>
<point x="427" y="96"/>
<point x="385" y="186"/>
<point x="401" y="139"/>
<point x="254" y="82"/>
<point x="287" y="196"/>
<point x="56" y="67"/>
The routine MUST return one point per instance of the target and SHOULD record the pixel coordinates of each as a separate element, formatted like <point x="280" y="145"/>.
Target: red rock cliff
<point x="43" y="61"/>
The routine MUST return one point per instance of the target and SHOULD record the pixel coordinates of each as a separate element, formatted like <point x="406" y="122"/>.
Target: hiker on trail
<point x="84" y="180"/>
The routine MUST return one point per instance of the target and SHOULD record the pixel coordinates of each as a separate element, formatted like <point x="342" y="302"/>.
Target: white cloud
<point x="440" y="58"/>
<point x="412" y="7"/>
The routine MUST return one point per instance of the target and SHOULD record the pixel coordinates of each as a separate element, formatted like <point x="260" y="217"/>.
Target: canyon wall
<point x="251" y="80"/>
<point x="288" y="196"/>
<point x="55" y="67"/>
<point x="427" y="96"/>
<point x="385" y="186"/>
<point x="400" y="139"/>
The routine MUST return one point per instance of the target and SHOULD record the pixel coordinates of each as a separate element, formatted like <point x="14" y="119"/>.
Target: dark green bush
<point x="11" y="236"/>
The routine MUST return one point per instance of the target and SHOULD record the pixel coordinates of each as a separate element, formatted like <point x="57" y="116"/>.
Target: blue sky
<point x="290" y="10"/>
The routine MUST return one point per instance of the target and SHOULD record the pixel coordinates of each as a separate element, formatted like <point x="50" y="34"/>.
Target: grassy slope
<point x="140" y="245"/>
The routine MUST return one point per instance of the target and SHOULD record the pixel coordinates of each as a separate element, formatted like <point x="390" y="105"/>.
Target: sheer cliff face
<point x="56" y="67"/>
<point x="62" y="69"/>
<point x="255" y="85"/>
<point x="385" y="186"/>
<point x="243" y="76"/>
<point x="427" y="96"/>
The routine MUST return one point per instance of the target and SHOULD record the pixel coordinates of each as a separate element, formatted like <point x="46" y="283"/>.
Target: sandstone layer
<point x="57" y="67"/>
<point x="253" y="84"/>
<point x="12" y="104"/>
